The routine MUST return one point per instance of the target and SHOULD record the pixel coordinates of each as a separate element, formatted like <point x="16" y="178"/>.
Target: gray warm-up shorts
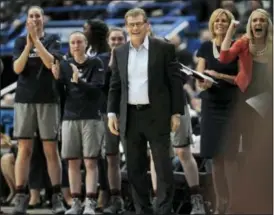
<point x="111" y="141"/>
<point x="183" y="136"/>
<point x="82" y="138"/>
<point x="29" y="117"/>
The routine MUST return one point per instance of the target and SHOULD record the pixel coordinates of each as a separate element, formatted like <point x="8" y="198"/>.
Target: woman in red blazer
<point x="254" y="46"/>
<point x="254" y="78"/>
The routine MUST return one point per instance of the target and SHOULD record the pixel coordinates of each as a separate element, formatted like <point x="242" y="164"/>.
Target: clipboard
<point x="197" y="75"/>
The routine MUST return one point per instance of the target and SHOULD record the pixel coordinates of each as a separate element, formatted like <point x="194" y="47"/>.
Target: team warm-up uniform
<point x="182" y="137"/>
<point x="82" y="127"/>
<point x="36" y="99"/>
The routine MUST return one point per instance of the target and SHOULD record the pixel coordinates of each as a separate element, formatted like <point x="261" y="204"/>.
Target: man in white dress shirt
<point x="146" y="91"/>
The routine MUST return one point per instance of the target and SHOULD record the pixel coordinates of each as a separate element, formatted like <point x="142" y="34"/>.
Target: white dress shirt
<point x="138" y="74"/>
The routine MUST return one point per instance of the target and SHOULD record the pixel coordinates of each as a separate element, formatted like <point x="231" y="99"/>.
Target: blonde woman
<point x="254" y="51"/>
<point x="219" y="136"/>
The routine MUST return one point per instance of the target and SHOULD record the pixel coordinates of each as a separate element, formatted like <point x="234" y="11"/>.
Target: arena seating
<point x="163" y="26"/>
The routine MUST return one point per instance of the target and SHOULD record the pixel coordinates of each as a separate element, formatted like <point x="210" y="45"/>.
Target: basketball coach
<point x="146" y="91"/>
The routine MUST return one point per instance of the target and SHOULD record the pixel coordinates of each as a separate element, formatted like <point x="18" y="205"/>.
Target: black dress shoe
<point x="115" y="206"/>
<point x="145" y="212"/>
<point x="35" y="206"/>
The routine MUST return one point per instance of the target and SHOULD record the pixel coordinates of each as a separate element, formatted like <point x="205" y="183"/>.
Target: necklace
<point x="254" y="50"/>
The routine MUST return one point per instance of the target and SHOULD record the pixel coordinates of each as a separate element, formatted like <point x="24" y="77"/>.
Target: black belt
<point x="139" y="107"/>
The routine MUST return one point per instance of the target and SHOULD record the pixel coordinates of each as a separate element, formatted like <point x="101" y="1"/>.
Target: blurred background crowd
<point x="72" y="14"/>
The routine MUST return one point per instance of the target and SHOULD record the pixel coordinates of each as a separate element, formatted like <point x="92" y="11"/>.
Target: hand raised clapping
<point x="32" y="30"/>
<point x="75" y="74"/>
<point x="55" y="69"/>
<point x="29" y="42"/>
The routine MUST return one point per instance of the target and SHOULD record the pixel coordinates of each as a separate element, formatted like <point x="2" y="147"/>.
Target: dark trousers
<point x="143" y="128"/>
<point x="102" y="173"/>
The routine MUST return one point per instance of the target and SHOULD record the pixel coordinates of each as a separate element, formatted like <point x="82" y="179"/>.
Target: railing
<point x="120" y="6"/>
<point x="163" y="27"/>
<point x="160" y="28"/>
<point x="170" y="7"/>
<point x="8" y="89"/>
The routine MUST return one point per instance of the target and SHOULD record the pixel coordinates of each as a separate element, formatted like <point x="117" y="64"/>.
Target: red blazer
<point x="240" y="48"/>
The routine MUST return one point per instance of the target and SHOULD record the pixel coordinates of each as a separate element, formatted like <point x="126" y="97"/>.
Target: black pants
<point x="141" y="128"/>
<point x="102" y="173"/>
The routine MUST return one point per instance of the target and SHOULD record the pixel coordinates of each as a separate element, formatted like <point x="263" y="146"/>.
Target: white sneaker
<point x="90" y="205"/>
<point x="76" y="207"/>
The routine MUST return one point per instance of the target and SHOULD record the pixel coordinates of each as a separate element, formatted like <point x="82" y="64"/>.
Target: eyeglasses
<point x="137" y="24"/>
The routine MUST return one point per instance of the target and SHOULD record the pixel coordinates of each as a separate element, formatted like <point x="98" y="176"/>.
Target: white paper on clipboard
<point x="261" y="103"/>
<point x="195" y="74"/>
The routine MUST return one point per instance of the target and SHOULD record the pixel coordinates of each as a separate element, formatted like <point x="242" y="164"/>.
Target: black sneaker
<point x="197" y="203"/>
<point x="116" y="206"/>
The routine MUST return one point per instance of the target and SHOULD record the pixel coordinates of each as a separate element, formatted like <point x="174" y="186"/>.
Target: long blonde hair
<point x="269" y="33"/>
<point x="268" y="42"/>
